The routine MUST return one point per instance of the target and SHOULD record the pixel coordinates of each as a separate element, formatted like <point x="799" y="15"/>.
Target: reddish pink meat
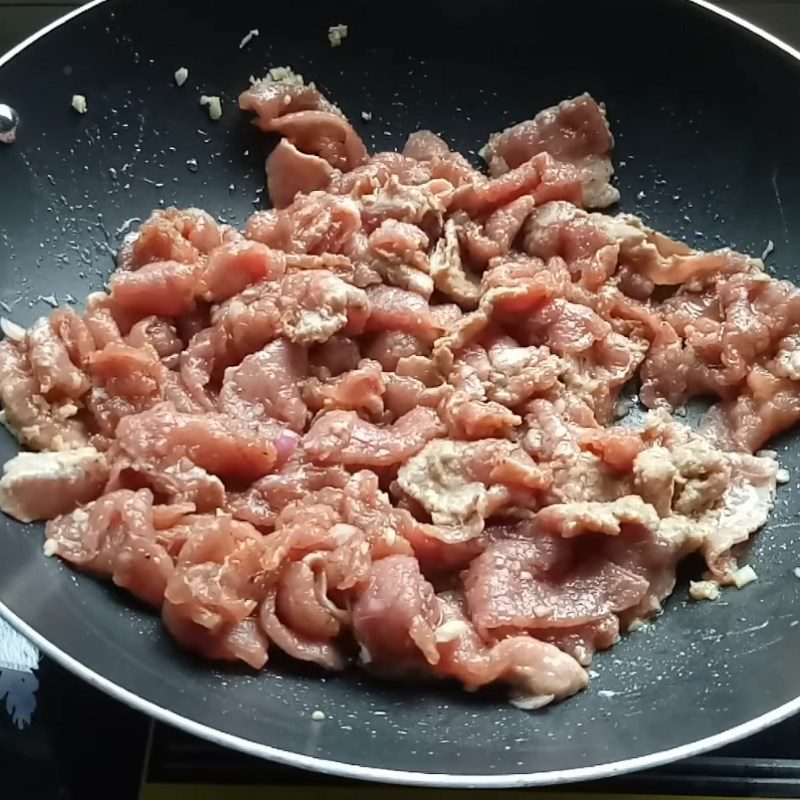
<point x="342" y="437"/>
<point x="171" y="235"/>
<point x="323" y="133"/>
<point x="537" y="672"/>
<point x="393" y="309"/>
<point x="395" y="617"/>
<point x="160" y="288"/>
<point x="268" y="99"/>
<point x="291" y="172"/>
<point x="114" y="537"/>
<point x="528" y="585"/>
<point x="233" y="267"/>
<point x="267" y="385"/>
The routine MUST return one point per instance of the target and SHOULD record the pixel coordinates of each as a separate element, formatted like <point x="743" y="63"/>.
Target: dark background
<point x="20" y="18"/>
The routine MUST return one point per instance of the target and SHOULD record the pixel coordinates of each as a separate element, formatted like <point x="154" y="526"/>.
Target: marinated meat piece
<point x="267" y="386"/>
<point x="313" y="224"/>
<point x="742" y="510"/>
<point x="160" y="288"/>
<point x="177" y="452"/>
<point x="51" y="363"/>
<point x="536" y="672"/>
<point x="388" y="347"/>
<point x="214" y="591"/>
<point x="360" y="390"/>
<point x="396" y="616"/>
<point x="280" y="92"/>
<point x="525" y="585"/>
<point x="268" y="496"/>
<point x="182" y="235"/>
<point x="114" y="537"/>
<point x="393" y="309"/>
<point x="155" y="334"/>
<point x="574" y="519"/>
<point x="461" y="482"/>
<point x="414" y="204"/>
<point x="231" y="268"/>
<point x="447" y="270"/>
<point x="35" y="421"/>
<point x="342" y="437"/>
<point x="291" y="172"/>
<point x="323" y="652"/>
<point x="323" y="133"/>
<point x="574" y="132"/>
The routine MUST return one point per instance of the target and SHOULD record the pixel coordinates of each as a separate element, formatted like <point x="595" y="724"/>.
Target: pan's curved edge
<point x="439" y="780"/>
<point x="337" y="768"/>
<point x="57" y="23"/>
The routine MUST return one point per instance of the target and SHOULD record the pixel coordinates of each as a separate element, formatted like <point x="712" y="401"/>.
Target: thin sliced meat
<point x="171" y="234"/>
<point x="359" y="390"/>
<point x="51" y="364"/>
<point x="342" y="437"/>
<point x="396" y="616"/>
<point x="323" y="133"/>
<point x="574" y="519"/>
<point x="574" y="132"/>
<point x="268" y="496"/>
<point x="533" y="584"/>
<point x="231" y="268"/>
<point x="267" y="385"/>
<point x="35" y="421"/>
<point x="313" y="224"/>
<point x="280" y="92"/>
<point x="465" y="482"/>
<point x="393" y="309"/>
<point x="536" y="672"/>
<point x="291" y="172"/>
<point x="230" y="448"/>
<point x="160" y="288"/>
<point x="114" y="537"/>
<point x="324" y="653"/>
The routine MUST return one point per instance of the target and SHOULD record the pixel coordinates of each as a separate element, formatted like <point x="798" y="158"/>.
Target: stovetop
<point x="61" y="738"/>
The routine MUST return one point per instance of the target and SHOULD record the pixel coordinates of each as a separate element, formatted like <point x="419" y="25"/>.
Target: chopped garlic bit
<point x="79" y="103"/>
<point x="11" y="330"/>
<point x="744" y="575"/>
<point x="450" y="630"/>
<point x="248" y="38"/>
<point x="365" y="657"/>
<point x="704" y="590"/>
<point x="181" y="75"/>
<point x="284" y="75"/>
<point x="366" y="116"/>
<point x="214" y="105"/>
<point x="768" y="249"/>
<point x="797" y="572"/>
<point x="318" y="715"/>
<point x="782" y="475"/>
<point x="532" y="703"/>
<point x="67" y="410"/>
<point x="336" y="33"/>
<point x="50" y="547"/>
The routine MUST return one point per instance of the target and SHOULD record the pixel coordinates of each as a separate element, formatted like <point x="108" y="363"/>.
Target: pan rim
<point x="381" y="774"/>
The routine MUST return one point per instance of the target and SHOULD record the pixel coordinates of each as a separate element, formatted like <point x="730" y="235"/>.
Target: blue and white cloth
<point x="18" y="683"/>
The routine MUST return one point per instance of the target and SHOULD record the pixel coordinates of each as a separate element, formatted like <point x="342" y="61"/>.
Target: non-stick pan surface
<point x="707" y="117"/>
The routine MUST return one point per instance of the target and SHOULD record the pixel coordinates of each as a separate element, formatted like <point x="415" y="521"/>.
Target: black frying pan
<point x="707" y="117"/>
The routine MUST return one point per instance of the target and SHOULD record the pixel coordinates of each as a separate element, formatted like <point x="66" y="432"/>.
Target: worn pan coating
<point x="707" y="117"/>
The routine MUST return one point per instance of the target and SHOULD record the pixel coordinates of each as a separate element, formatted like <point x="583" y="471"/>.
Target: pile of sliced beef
<point x="381" y="425"/>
